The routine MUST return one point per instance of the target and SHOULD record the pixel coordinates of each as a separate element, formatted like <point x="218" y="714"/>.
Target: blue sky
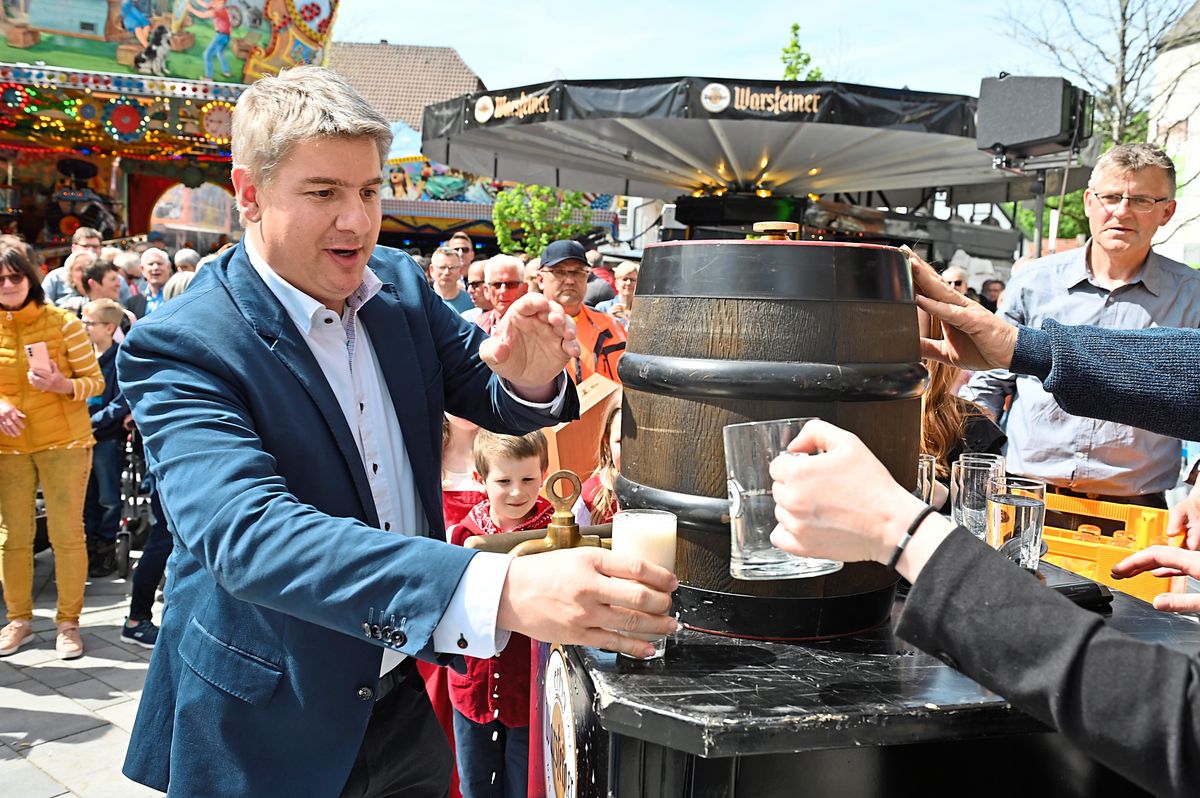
<point x="933" y="45"/>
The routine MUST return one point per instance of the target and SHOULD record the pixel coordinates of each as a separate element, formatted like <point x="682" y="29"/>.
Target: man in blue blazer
<point x="291" y="404"/>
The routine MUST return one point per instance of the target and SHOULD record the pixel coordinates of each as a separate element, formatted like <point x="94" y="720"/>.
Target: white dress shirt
<point x="346" y="356"/>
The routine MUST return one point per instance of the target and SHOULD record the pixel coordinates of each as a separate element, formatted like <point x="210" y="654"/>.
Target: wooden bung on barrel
<point x="735" y="331"/>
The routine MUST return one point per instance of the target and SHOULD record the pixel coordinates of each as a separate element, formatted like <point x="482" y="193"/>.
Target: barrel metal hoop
<point x="696" y="513"/>
<point x="700" y="378"/>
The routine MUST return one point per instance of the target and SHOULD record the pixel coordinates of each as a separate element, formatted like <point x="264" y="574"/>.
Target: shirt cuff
<point x="554" y="406"/>
<point x="468" y="625"/>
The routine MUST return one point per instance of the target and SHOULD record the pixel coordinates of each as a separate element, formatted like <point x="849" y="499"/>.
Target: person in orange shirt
<point x="563" y="277"/>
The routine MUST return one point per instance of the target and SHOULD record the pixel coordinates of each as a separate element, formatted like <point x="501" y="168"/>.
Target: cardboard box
<point x="575" y="445"/>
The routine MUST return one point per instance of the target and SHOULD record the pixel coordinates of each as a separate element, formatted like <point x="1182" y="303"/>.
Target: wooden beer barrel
<point x="735" y="331"/>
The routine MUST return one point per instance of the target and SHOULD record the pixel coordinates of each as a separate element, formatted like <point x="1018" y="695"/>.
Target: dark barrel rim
<point x="793" y="270"/>
<point x="783" y="618"/>
<point x="771" y="242"/>
<point x="696" y="513"/>
<point x="772" y="380"/>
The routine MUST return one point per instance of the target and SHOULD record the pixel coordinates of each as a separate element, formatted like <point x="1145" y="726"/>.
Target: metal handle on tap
<point x="563" y="532"/>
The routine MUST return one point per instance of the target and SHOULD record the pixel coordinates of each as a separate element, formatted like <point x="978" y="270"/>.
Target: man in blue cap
<point x="563" y="277"/>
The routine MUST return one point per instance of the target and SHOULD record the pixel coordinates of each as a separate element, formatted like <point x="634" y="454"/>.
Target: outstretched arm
<point x="974" y="608"/>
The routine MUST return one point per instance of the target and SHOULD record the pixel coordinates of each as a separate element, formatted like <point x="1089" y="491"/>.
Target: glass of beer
<point x="749" y="450"/>
<point x="646" y="535"/>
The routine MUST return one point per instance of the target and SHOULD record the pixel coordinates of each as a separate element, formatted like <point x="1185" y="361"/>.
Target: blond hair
<point x="625" y="269"/>
<point x="106" y="310"/>
<point x="491" y="446"/>
<point x="299" y="104"/>
<point x="606" y="470"/>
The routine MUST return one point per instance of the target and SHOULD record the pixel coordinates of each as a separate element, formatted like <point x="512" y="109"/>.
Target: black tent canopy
<point x="662" y="137"/>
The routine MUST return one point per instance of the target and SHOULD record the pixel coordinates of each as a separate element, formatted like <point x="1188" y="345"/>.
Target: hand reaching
<point x="975" y="337"/>
<point x="1185" y="520"/>
<point x="531" y="344"/>
<point x="1164" y="561"/>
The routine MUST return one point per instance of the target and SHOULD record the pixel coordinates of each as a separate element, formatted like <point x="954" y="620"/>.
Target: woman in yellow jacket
<point x="46" y="437"/>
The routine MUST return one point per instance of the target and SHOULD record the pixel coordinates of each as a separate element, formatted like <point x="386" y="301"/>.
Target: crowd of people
<point x="306" y="652"/>
<point x="66" y="432"/>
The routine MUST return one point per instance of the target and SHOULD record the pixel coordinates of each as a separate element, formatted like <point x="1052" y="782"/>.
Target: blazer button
<point x="399" y="638"/>
<point x="365" y="694"/>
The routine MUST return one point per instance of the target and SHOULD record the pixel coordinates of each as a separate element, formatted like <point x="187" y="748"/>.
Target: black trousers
<point x="404" y="753"/>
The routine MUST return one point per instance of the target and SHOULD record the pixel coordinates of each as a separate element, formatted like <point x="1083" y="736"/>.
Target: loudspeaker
<point x="1025" y="116"/>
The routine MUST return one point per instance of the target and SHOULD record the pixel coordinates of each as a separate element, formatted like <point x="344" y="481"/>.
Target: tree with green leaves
<point x="1108" y="49"/>
<point x="797" y="64"/>
<point x="527" y="218"/>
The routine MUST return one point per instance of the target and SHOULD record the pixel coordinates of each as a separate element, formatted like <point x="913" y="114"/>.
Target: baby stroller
<point x="136" y="517"/>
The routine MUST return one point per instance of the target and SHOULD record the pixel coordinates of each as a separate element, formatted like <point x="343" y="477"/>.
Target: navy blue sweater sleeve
<point x="1144" y="378"/>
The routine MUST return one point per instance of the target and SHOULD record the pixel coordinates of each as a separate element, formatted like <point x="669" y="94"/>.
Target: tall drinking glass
<point x="749" y="450"/>
<point x="646" y="535"/>
<point x="997" y="460"/>
<point x="1016" y="513"/>
<point x="968" y="494"/>
<point x="926" y="476"/>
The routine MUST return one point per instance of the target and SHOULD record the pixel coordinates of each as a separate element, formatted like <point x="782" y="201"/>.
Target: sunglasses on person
<point x="508" y="285"/>
<point x="474" y="284"/>
<point x="958" y="282"/>
<point x="11" y="279"/>
<point x="461" y="250"/>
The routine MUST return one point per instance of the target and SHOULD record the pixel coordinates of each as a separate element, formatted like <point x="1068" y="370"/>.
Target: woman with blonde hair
<point x="48" y="370"/>
<point x="598" y="500"/>
<point x="621" y="306"/>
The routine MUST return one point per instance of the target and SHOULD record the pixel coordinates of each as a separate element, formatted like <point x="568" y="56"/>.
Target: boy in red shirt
<point x="491" y="714"/>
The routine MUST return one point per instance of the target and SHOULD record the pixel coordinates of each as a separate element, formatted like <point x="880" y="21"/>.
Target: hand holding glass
<point x="646" y="535"/>
<point x="749" y="450"/>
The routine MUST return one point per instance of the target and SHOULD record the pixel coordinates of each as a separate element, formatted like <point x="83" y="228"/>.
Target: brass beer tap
<point x="563" y="532"/>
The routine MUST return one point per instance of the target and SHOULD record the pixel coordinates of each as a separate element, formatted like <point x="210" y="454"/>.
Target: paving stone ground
<point x="64" y="726"/>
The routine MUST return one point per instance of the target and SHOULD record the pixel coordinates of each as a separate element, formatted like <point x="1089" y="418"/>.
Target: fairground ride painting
<point x="233" y="41"/>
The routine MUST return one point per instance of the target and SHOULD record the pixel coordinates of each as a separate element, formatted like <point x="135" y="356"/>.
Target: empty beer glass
<point x="749" y="450"/>
<point x="968" y="494"/>
<point x="926" y="476"/>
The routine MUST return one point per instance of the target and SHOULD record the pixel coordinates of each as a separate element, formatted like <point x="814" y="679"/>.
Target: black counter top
<point x="718" y="697"/>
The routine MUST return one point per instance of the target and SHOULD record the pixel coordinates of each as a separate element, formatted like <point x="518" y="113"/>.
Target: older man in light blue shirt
<point x="1115" y="281"/>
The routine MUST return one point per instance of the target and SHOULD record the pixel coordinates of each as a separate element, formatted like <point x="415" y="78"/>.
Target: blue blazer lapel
<point x="395" y="350"/>
<point x="263" y="311"/>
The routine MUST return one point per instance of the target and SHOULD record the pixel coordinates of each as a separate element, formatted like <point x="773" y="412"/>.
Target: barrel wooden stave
<point x="671" y="439"/>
